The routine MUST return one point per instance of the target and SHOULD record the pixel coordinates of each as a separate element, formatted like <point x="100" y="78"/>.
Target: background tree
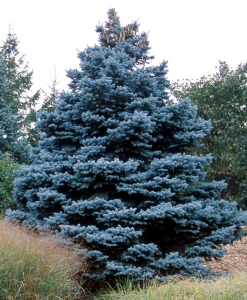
<point x="113" y="170"/>
<point x="17" y="73"/>
<point x="10" y="124"/>
<point x="17" y="115"/>
<point x="51" y="99"/>
<point x="12" y="149"/>
<point x="7" y="167"/>
<point x="222" y="98"/>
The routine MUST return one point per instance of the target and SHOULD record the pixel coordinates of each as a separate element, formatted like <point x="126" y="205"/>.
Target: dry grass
<point x="35" y="267"/>
<point x="224" y="288"/>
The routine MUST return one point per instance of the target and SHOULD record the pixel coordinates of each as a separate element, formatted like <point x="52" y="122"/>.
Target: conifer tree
<point x="51" y="98"/>
<point x="10" y="123"/>
<point x="12" y="150"/>
<point x="20" y="97"/>
<point x="113" y="170"/>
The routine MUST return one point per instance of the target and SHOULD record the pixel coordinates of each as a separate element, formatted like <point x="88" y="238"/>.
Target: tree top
<point x="113" y="33"/>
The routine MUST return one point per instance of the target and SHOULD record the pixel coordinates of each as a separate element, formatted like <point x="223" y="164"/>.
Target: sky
<point x="191" y="35"/>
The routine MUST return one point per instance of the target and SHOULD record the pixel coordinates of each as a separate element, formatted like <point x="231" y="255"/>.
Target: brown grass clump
<point x="33" y="266"/>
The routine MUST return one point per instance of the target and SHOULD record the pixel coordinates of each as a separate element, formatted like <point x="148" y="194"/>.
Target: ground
<point x="235" y="260"/>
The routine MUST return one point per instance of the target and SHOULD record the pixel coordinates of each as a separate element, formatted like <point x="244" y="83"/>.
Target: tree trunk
<point x="229" y="188"/>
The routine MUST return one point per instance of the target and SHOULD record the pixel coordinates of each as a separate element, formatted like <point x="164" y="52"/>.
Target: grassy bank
<point x="34" y="267"/>
<point x="37" y="267"/>
<point x="224" y="288"/>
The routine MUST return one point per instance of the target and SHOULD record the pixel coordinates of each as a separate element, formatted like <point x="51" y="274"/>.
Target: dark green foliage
<point x="17" y="115"/>
<point x="11" y="140"/>
<point x="222" y="98"/>
<point x="17" y="73"/>
<point x="7" y="167"/>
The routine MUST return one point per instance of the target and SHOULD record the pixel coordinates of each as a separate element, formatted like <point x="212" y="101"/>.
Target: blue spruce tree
<point x="113" y="169"/>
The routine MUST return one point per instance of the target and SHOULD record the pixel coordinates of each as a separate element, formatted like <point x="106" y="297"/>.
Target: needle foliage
<point x="114" y="171"/>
